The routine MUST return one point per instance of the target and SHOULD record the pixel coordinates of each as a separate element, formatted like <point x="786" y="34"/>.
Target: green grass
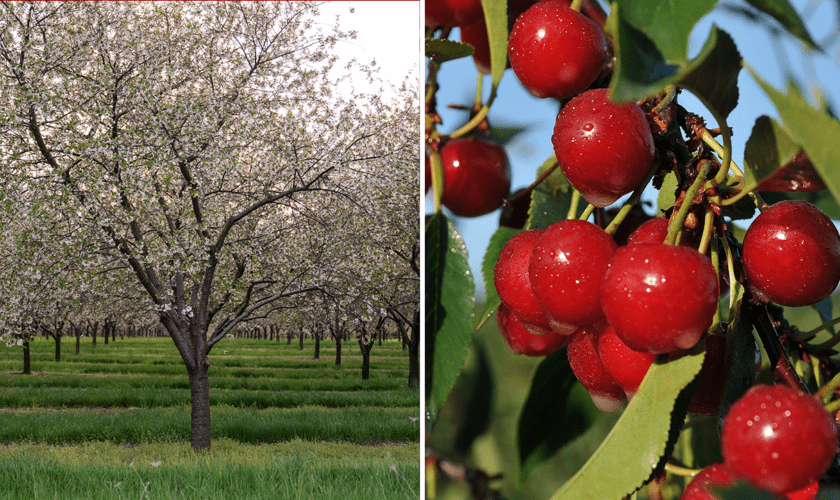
<point x="283" y="424"/>
<point x="297" y="476"/>
<point x="357" y="425"/>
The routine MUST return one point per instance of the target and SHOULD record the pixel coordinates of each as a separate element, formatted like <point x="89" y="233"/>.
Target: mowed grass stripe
<point x="154" y="397"/>
<point x="352" y="425"/>
<point x="223" y="449"/>
<point x="151" y="381"/>
<point x="294" y="477"/>
<point x="322" y="371"/>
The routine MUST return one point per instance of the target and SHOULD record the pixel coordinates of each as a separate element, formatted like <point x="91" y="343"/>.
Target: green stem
<point x="678" y="220"/>
<point x="670" y="92"/>
<point x="708" y="226"/>
<point x="803" y="337"/>
<point x="587" y="212"/>
<point x="437" y="178"/>
<point x="576" y="4"/>
<point x="726" y="158"/>
<point x="716" y="265"/>
<point x="730" y="267"/>
<point x="679" y="470"/>
<point x="824" y="393"/>
<point x="833" y="406"/>
<point x="574" y="206"/>
<point x="478" y="85"/>
<point x="631" y="202"/>
<point x="478" y="118"/>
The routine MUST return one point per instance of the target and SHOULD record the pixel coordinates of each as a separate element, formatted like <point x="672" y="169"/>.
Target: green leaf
<point x="782" y="11"/>
<point x="479" y="404"/>
<point x="442" y="50"/>
<point x="668" y="192"/>
<point x="450" y="299"/>
<point x="816" y="131"/>
<point x="496" y="17"/>
<point x="648" y="428"/>
<point x="503" y="135"/>
<point x="552" y="394"/>
<point x="551" y="200"/>
<point x="767" y="150"/>
<point x="713" y="74"/>
<point x="497" y="242"/>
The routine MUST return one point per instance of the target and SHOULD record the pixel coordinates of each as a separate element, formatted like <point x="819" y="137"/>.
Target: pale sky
<point x="388" y="32"/>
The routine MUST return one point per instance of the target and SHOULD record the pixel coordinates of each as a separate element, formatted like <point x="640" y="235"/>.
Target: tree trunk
<point x="78" y="340"/>
<point x="27" y="366"/>
<point x="338" y="349"/>
<point x="94" y="329"/>
<point x="200" y="400"/>
<point x="318" y="345"/>
<point x="106" y="331"/>
<point x="289" y="337"/>
<point x="366" y="348"/>
<point x="57" y="348"/>
<point x="301" y="339"/>
<point x="414" y="351"/>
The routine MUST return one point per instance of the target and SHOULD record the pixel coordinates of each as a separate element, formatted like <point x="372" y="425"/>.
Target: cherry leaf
<point x="450" y="299"/>
<point x="447" y="50"/>
<point x="648" y="426"/>
<point x="496" y="17"/>
<point x="767" y="150"/>
<point x="782" y="11"/>
<point x="551" y="199"/>
<point x="554" y="391"/>
<point x="815" y="130"/>
<point x="497" y="242"/>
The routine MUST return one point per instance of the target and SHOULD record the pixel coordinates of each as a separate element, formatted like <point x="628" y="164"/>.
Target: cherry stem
<point x="670" y="92"/>
<point x="576" y="4"/>
<point x="726" y="154"/>
<point x="730" y="267"/>
<point x="708" y="227"/>
<point x="437" y="178"/>
<point x="478" y="85"/>
<point x="679" y="470"/>
<point x="759" y="203"/>
<point x="715" y="265"/>
<point x="574" y="205"/>
<point x="833" y="406"/>
<point x="805" y="336"/>
<point x="677" y="220"/>
<point x="828" y="344"/>
<point x="587" y="212"/>
<point x="824" y="393"/>
<point x="631" y="202"/>
<point x="478" y="118"/>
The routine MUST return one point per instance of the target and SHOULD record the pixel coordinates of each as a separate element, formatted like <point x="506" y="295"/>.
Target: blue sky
<point x="516" y="107"/>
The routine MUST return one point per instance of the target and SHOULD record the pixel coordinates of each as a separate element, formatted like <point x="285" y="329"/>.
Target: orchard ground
<point x="114" y="422"/>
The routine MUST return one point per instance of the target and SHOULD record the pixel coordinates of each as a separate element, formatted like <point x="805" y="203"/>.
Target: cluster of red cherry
<point x="618" y="308"/>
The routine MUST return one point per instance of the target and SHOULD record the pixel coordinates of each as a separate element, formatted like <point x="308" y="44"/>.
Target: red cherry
<point x="604" y="149"/>
<point x="792" y="254"/>
<point x="565" y="272"/>
<point x="476" y="35"/>
<point x="556" y="51"/>
<point x="513" y="283"/>
<point x="452" y="12"/>
<point x="655" y="231"/>
<point x="590" y="371"/>
<point x="428" y="173"/>
<point x="476" y="176"/>
<point x="659" y="298"/>
<point x="807" y="493"/>
<point x="520" y="341"/>
<point x="713" y="475"/>
<point x="626" y="366"/>
<point x="778" y="438"/>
